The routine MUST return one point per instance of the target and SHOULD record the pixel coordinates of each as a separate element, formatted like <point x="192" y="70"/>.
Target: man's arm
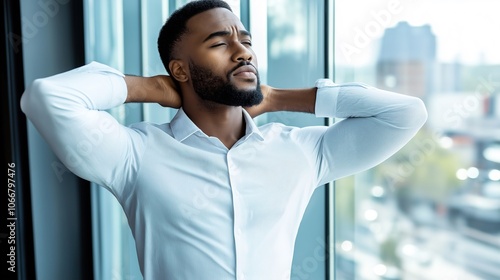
<point x="375" y="125"/>
<point x="159" y="89"/>
<point x="292" y="100"/>
<point x="68" y="111"/>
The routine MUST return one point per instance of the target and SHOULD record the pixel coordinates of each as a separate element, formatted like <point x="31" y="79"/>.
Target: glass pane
<point x="113" y="246"/>
<point x="288" y="39"/>
<point x="431" y="211"/>
<point x="153" y="16"/>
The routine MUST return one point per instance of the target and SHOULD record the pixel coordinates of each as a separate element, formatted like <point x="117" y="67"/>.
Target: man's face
<point x="222" y="64"/>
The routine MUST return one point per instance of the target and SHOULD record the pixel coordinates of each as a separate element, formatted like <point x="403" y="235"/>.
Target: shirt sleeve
<point x="67" y="111"/>
<point x="375" y="124"/>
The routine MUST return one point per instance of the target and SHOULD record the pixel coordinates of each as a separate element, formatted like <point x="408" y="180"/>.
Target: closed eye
<point x="217" y="45"/>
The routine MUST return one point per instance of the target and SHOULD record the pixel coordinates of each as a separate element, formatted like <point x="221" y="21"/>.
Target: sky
<point x="466" y="30"/>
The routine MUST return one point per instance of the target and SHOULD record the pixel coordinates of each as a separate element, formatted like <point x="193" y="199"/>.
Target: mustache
<point x="242" y="63"/>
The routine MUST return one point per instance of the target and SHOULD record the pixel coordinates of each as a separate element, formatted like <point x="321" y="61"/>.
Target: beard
<point x="216" y="89"/>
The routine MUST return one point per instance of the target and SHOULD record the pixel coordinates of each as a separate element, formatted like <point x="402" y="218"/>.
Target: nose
<point x="242" y="53"/>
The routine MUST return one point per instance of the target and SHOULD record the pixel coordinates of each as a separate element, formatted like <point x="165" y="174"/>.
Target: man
<point x="256" y="181"/>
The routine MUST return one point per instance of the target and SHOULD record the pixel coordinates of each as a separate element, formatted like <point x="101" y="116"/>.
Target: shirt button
<point x="238" y="232"/>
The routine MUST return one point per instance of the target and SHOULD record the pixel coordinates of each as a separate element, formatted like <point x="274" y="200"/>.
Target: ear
<point x="179" y="72"/>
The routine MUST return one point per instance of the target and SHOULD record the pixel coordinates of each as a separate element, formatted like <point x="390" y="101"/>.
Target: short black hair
<point x="175" y="26"/>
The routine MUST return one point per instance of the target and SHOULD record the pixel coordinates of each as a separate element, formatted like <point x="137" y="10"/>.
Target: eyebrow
<point x="226" y="33"/>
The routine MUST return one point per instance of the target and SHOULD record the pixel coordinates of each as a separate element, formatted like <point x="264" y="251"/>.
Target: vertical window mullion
<point x="330" y="187"/>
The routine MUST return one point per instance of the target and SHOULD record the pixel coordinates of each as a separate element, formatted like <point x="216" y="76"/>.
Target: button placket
<point x="237" y="219"/>
<point x="238" y="234"/>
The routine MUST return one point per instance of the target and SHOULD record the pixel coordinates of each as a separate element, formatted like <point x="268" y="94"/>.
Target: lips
<point x="245" y="70"/>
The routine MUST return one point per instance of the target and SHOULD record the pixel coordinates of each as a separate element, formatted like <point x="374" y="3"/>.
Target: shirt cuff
<point x="116" y="93"/>
<point x="326" y="98"/>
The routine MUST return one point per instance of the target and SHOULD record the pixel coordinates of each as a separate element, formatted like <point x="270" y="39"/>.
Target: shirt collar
<point x="182" y="126"/>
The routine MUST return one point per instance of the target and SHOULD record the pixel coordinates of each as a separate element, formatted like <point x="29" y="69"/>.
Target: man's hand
<point x="159" y="89"/>
<point x="170" y="96"/>
<point x="265" y="105"/>
<point x="292" y="100"/>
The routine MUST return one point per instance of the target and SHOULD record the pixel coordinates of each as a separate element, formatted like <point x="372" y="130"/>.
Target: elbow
<point x="35" y="97"/>
<point x="410" y="116"/>
<point x="419" y="112"/>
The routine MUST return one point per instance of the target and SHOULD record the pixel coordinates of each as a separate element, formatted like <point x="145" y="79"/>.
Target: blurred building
<point x="407" y="60"/>
<point x="464" y="114"/>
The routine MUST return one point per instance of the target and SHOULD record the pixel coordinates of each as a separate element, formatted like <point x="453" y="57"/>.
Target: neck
<point x="224" y="122"/>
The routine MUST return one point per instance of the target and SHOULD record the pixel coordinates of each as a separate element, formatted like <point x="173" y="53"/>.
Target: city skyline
<point x="465" y="30"/>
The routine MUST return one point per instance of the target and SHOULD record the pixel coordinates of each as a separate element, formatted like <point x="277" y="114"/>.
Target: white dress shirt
<point x="198" y="210"/>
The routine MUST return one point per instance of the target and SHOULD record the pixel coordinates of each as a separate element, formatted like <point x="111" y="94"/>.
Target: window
<point x="432" y="211"/>
<point x="291" y="51"/>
